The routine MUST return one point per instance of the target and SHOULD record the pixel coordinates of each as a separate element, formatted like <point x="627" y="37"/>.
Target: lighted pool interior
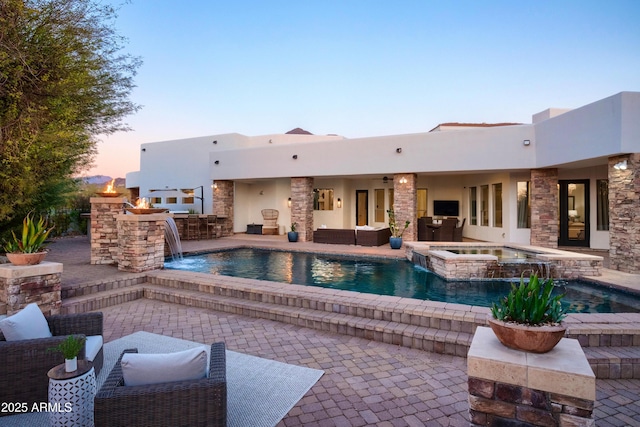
<point x="397" y="277"/>
<point x="503" y="253"/>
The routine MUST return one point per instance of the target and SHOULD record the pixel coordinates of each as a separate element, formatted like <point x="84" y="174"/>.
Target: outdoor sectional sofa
<point x="362" y="237"/>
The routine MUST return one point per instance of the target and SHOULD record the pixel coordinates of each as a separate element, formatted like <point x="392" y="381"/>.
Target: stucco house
<point x="570" y="178"/>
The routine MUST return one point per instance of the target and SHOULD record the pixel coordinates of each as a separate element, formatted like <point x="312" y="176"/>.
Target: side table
<point x="71" y="395"/>
<point x="254" y="228"/>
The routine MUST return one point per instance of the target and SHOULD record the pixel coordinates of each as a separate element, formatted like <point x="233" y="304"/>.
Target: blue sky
<point x="364" y="68"/>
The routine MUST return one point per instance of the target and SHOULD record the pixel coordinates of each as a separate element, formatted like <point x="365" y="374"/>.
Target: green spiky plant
<point x="530" y="304"/>
<point x="396" y="230"/>
<point x="31" y="240"/>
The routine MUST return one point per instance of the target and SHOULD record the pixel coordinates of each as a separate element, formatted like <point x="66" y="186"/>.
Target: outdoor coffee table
<point x="71" y="395"/>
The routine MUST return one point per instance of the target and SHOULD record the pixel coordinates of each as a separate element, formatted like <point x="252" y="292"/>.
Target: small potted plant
<point x="395" y="241"/>
<point x="26" y="249"/>
<point x="293" y="234"/>
<point x="530" y="317"/>
<point x="70" y="348"/>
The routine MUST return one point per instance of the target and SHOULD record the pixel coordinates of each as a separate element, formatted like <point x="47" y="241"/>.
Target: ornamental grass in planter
<point x="530" y="317"/>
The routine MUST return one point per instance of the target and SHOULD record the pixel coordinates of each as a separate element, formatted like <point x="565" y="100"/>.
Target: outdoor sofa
<point x="196" y="402"/>
<point x="362" y="236"/>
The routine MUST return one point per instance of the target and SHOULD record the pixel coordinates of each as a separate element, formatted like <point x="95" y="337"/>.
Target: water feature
<point x="172" y="237"/>
<point x="387" y="277"/>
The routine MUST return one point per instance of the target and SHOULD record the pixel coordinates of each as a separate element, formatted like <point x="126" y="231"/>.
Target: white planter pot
<point x="71" y="365"/>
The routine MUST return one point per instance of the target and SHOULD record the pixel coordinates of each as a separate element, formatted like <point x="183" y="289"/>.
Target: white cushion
<point x="92" y="346"/>
<point x="143" y="369"/>
<point x="28" y="323"/>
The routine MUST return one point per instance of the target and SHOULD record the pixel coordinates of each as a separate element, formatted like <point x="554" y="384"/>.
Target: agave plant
<point x="32" y="238"/>
<point x="396" y="230"/>
<point x="530" y="304"/>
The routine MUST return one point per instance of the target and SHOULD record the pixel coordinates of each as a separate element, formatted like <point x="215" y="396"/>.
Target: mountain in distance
<point x="102" y="179"/>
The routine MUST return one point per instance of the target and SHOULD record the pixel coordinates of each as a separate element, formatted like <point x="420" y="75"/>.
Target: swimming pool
<point x="395" y="277"/>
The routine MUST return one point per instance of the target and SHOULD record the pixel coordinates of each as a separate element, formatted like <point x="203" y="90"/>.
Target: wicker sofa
<point x="376" y="237"/>
<point x="336" y="236"/>
<point x="182" y="403"/>
<point x="24" y="364"/>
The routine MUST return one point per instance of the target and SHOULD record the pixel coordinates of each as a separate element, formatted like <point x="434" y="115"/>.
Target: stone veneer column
<point x="22" y="285"/>
<point x="516" y="388"/>
<point x="624" y="208"/>
<point x="302" y="207"/>
<point x="544" y="208"/>
<point x="141" y="242"/>
<point x="223" y="195"/>
<point x="104" y="233"/>
<point x="405" y="204"/>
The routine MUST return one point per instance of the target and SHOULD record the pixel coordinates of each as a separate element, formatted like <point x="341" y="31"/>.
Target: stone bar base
<point x="141" y="242"/>
<point x="22" y="285"/>
<point x="515" y="388"/>
<point x="104" y="233"/>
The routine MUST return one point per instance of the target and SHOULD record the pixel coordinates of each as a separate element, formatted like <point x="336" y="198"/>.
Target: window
<point x="422" y="202"/>
<point x="155" y="200"/>
<point x="497" y="205"/>
<point x="602" y="204"/>
<point x="484" y="205"/>
<point x="390" y="199"/>
<point x="524" y="204"/>
<point x="473" y="205"/>
<point x="323" y="199"/>
<point x="379" y="212"/>
<point x="171" y="200"/>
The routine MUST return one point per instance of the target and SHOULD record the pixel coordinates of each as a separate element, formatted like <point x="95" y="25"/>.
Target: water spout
<point x="172" y="237"/>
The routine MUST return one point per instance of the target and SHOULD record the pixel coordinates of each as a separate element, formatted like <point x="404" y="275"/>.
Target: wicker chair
<point x="444" y="233"/>
<point x="24" y="364"/>
<point x="182" y="403"/>
<point x="457" y="232"/>
<point x="270" y="221"/>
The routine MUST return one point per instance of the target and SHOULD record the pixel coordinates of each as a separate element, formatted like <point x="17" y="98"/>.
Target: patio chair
<point x="270" y="223"/>
<point x="457" y="232"/>
<point x="24" y="363"/>
<point x="212" y="226"/>
<point x="201" y="402"/>
<point x="193" y="227"/>
<point x="425" y="233"/>
<point x="444" y="233"/>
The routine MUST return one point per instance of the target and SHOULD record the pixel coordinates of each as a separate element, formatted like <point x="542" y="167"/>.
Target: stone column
<point x="516" y="388"/>
<point x="624" y="208"/>
<point x="302" y="207"/>
<point x="223" y="195"/>
<point x="104" y="233"/>
<point x="141" y="242"/>
<point x="405" y="203"/>
<point x="22" y="285"/>
<point x="544" y="208"/>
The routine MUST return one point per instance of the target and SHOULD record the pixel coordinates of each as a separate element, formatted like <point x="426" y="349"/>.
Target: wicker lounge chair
<point x="24" y="364"/>
<point x="200" y="402"/>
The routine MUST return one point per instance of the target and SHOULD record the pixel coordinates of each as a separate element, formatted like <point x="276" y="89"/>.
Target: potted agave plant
<point x="395" y="241"/>
<point x="293" y="234"/>
<point x="27" y="247"/>
<point x="529" y="318"/>
<point x="70" y="348"/>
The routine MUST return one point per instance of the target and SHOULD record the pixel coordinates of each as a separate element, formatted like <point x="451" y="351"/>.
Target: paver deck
<point x="365" y="382"/>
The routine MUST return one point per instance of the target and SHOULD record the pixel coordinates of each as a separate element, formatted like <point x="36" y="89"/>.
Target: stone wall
<point x="405" y="203"/>
<point x="104" y="232"/>
<point x="22" y="285"/>
<point x="223" y="194"/>
<point x="544" y="208"/>
<point x="302" y="207"/>
<point x="141" y="242"/>
<point x="624" y="208"/>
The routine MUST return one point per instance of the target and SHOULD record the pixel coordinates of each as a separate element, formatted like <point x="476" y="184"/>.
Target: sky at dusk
<point x="363" y="68"/>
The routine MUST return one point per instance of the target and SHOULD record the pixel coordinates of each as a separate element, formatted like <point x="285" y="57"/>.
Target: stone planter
<point x="395" y="242"/>
<point x="535" y="339"/>
<point x="19" y="258"/>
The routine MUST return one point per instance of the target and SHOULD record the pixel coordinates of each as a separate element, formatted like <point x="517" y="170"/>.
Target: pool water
<point x="388" y="277"/>
<point x="503" y="254"/>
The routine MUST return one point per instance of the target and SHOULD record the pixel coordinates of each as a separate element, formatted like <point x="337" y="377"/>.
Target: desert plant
<point x="70" y="347"/>
<point x="32" y="238"/>
<point x="293" y="226"/>
<point x="396" y="231"/>
<point x="530" y="304"/>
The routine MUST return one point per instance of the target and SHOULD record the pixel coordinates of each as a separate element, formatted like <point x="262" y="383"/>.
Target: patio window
<point x="473" y="205"/>
<point x="323" y="199"/>
<point x="497" y="205"/>
<point x="524" y="204"/>
<point x="390" y="206"/>
<point x="484" y="205"/>
<point x="602" y="204"/>
<point x="422" y="197"/>
<point x="171" y="200"/>
<point x="379" y="212"/>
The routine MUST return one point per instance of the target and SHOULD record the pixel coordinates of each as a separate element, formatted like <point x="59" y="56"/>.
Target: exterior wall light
<point x="526" y="142"/>
<point x="295" y="157"/>
<point x="403" y="180"/>
<point x="214" y="186"/>
<point x="289" y="202"/>
<point x="399" y="150"/>
<point x="339" y="202"/>
<point x="215" y="141"/>
<point x="621" y="166"/>
<point x="217" y="162"/>
<point x="144" y="149"/>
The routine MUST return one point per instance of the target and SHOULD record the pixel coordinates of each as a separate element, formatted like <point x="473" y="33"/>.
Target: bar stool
<point x="193" y="227"/>
<point x="212" y="223"/>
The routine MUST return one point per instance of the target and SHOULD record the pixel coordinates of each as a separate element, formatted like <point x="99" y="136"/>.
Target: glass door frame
<point x="563" y="217"/>
<point x="365" y="193"/>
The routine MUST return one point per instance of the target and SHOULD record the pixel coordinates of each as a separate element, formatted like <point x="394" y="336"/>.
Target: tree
<point x="63" y="81"/>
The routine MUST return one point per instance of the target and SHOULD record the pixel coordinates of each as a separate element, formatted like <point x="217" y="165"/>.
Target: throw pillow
<point x="28" y="323"/>
<point x="145" y="369"/>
